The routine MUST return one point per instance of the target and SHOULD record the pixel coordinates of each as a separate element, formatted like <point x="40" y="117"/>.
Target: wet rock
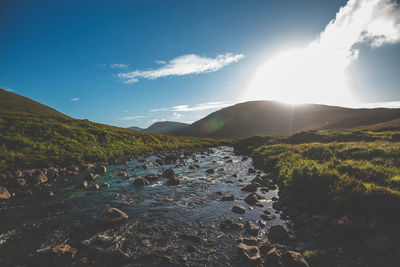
<point x="173" y="181"/>
<point x="64" y="250"/>
<point x="191" y="167"/>
<point x="228" y="197"/>
<point x="235" y="175"/>
<point x="168" y="173"/>
<point x="47" y="195"/>
<point x="249" y="253"/>
<point x="191" y="237"/>
<point x="228" y="224"/>
<point x="278" y="233"/>
<point x="253" y="199"/>
<point x="251" y="170"/>
<point x="248" y="241"/>
<point x="140" y="182"/>
<point x="91" y="177"/>
<point x="210" y="171"/>
<point x="122" y="174"/>
<point x="27" y="193"/>
<point x="293" y="259"/>
<point x="100" y="169"/>
<point x="105" y="184"/>
<point x="265" y="246"/>
<point x="94" y="187"/>
<point x="251" y="228"/>
<point x="238" y="209"/>
<point x="4" y="194"/>
<point x="152" y="177"/>
<point x="144" y="166"/>
<point x="52" y="172"/>
<point x="245" y="158"/>
<point x="114" y="215"/>
<point x="272" y="258"/>
<point x="250" y="188"/>
<point x="84" y="185"/>
<point x="20" y="182"/>
<point x="268" y="217"/>
<point x="191" y="248"/>
<point x="262" y="223"/>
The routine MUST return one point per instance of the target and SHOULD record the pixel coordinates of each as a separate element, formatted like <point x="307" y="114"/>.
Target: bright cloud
<point x="183" y="65"/>
<point x="119" y="66"/>
<point x="75" y="99"/>
<point x="198" y="107"/>
<point x="129" y="118"/>
<point x="317" y="72"/>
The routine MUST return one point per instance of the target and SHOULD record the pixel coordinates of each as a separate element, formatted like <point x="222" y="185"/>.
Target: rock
<point x="140" y="182"/>
<point x="272" y="258"/>
<point x="253" y="199"/>
<point x="293" y="259"/>
<point x="238" y="209"/>
<point x="114" y="215"/>
<point x="278" y="233"/>
<point x="47" y="195"/>
<point x="262" y="223"/>
<point x="52" y="172"/>
<point x="64" y="250"/>
<point x="90" y="177"/>
<point x="40" y="177"/>
<point x="235" y="175"/>
<point x="144" y="166"/>
<point x="84" y="185"/>
<point x="249" y="253"/>
<point x="20" y="182"/>
<point x="228" y="224"/>
<point x="4" y="194"/>
<point x="18" y="174"/>
<point x="173" y="181"/>
<point x="251" y="228"/>
<point x="94" y="187"/>
<point x="265" y="246"/>
<point x="228" y="197"/>
<point x="152" y="177"/>
<point x="268" y="217"/>
<point x="122" y="174"/>
<point x="105" y="184"/>
<point x="100" y="169"/>
<point x="251" y="170"/>
<point x="250" y="188"/>
<point x="168" y="173"/>
<point x="248" y="241"/>
<point x="245" y="158"/>
<point x="210" y="171"/>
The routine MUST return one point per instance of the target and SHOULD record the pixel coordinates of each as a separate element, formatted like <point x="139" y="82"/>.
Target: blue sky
<point x="79" y="57"/>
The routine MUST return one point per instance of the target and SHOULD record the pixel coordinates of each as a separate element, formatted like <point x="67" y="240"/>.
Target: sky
<point x="132" y="63"/>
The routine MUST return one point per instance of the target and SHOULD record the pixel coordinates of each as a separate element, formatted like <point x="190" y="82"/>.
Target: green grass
<point x="357" y="172"/>
<point x="34" y="135"/>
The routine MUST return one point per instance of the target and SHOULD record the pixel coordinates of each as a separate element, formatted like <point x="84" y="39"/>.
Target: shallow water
<point x="159" y="215"/>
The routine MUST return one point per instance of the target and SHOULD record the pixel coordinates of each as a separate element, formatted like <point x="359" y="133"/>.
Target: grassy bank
<point x="342" y="172"/>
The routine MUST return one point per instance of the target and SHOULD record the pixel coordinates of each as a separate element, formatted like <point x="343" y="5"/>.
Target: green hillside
<point x="34" y="135"/>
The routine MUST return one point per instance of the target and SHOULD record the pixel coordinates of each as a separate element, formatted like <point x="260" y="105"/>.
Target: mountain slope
<point x="34" y="135"/>
<point x="273" y="118"/>
<point x="162" y="127"/>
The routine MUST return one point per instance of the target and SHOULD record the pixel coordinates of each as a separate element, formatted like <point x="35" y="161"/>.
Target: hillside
<point x="34" y="135"/>
<point x="275" y="119"/>
<point x="162" y="127"/>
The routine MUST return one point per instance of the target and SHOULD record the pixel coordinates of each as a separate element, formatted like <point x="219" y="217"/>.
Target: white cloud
<point x="119" y="66"/>
<point x="160" y="62"/>
<point x="176" y="116"/>
<point x="75" y="99"/>
<point x="183" y="65"/>
<point x="198" y="107"/>
<point x="128" y="118"/>
<point x="318" y="73"/>
<point x="9" y="89"/>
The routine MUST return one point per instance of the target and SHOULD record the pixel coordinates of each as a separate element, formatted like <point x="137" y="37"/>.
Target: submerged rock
<point x="253" y="199"/>
<point x="228" y="197"/>
<point x="114" y="215"/>
<point x="249" y="253"/>
<point x="140" y="182"/>
<point x="228" y="224"/>
<point x="173" y="181"/>
<point x="250" y="188"/>
<point x="152" y="177"/>
<point x="238" y="209"/>
<point x="251" y="228"/>
<point x="210" y="171"/>
<point x="168" y="173"/>
<point x="4" y="194"/>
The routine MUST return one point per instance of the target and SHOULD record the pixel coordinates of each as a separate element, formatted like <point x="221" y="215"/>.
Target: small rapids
<point x="177" y="224"/>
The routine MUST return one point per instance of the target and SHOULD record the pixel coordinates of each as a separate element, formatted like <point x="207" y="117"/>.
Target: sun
<point x="302" y="75"/>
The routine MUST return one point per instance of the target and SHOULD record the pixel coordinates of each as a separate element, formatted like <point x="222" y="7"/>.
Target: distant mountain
<point x="273" y="118"/>
<point x="162" y="127"/>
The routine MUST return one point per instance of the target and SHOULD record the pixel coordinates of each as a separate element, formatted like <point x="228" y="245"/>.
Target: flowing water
<point x="174" y="223"/>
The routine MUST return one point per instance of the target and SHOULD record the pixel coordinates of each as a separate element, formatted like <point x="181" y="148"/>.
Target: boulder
<point x="20" y="181"/>
<point x="251" y="228"/>
<point x="94" y="187"/>
<point x="90" y="177"/>
<point x="100" y="169"/>
<point x="293" y="259"/>
<point x="4" y="194"/>
<point x="173" y="181"/>
<point x="210" y="171"/>
<point x="122" y="174"/>
<point x="250" y="188"/>
<point x="84" y="185"/>
<point x="40" y="177"/>
<point x="140" y="182"/>
<point x="18" y="174"/>
<point x="251" y="170"/>
<point x="272" y="258"/>
<point x="278" y="233"/>
<point x="105" y="184"/>
<point x="114" y="215"/>
<point x="152" y="177"/>
<point x="249" y="253"/>
<point x="238" y="209"/>
<point x="228" y="224"/>
<point x="64" y="250"/>
<point x="253" y="199"/>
